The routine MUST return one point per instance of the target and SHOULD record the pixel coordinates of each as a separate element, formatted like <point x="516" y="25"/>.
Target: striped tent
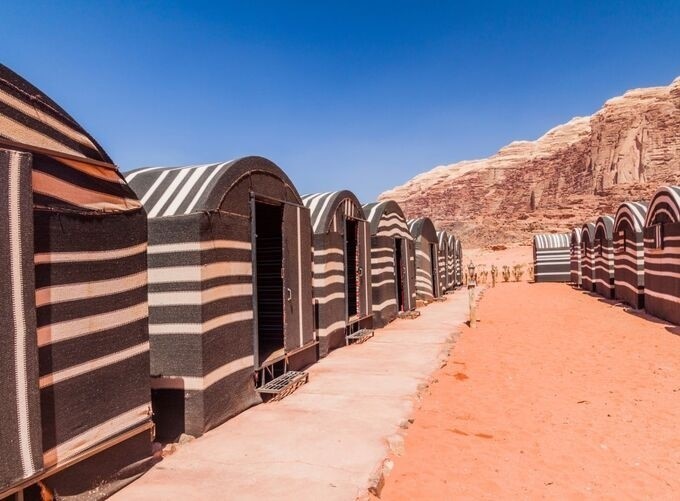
<point x="74" y="348"/>
<point x="443" y="253"/>
<point x="230" y="278"/>
<point x="662" y="255"/>
<point x="551" y="257"/>
<point x="603" y="252"/>
<point x="458" y="262"/>
<point x="342" y="267"/>
<point x="392" y="262"/>
<point x="451" y="262"/>
<point x="427" y="268"/>
<point x="629" y="253"/>
<point x="587" y="257"/>
<point x="575" y="256"/>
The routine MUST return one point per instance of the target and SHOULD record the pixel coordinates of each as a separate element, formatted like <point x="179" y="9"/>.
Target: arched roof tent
<point x="587" y="257"/>
<point x="575" y="256"/>
<point x="459" y="262"/>
<point x="662" y="247"/>
<point x="393" y="272"/>
<point x="426" y="242"/>
<point x="629" y="269"/>
<point x="444" y="255"/>
<point x="551" y="257"/>
<point x="451" y="264"/>
<point x="342" y="267"/>
<point x="603" y="264"/>
<point x="229" y="286"/>
<point x="74" y="305"/>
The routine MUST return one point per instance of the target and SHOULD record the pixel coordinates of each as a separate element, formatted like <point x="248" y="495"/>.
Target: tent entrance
<point x="351" y="266"/>
<point x="268" y="240"/>
<point x="398" y="267"/>
<point x="433" y="269"/>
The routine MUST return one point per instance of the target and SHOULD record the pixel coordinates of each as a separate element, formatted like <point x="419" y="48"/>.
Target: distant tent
<point x="629" y="253"/>
<point x="74" y="348"/>
<point x="603" y="251"/>
<point x="551" y="257"/>
<point x="427" y="269"/>
<point x="342" y="267"/>
<point x="392" y="262"/>
<point x="451" y="262"/>
<point x="445" y="253"/>
<point x="662" y="255"/>
<point x="458" y="253"/>
<point x="587" y="257"/>
<point x="230" y="297"/>
<point x="575" y="256"/>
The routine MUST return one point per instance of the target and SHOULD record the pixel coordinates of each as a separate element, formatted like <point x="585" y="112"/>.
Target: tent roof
<point x="632" y="212"/>
<point x="424" y="227"/>
<point x="552" y="241"/>
<point x="604" y="227"/>
<point x="665" y="201"/>
<point x="323" y="206"/>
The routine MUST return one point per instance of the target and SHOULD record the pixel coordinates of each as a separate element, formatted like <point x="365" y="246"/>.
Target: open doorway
<point x="433" y="270"/>
<point x="351" y="255"/>
<point x="269" y="272"/>
<point x="398" y="267"/>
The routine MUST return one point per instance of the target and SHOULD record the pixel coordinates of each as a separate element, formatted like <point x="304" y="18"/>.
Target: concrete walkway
<point x="326" y="440"/>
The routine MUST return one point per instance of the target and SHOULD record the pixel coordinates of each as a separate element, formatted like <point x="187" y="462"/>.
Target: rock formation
<point x="572" y="174"/>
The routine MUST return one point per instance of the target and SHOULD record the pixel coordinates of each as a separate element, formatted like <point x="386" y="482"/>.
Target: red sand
<point x="556" y="394"/>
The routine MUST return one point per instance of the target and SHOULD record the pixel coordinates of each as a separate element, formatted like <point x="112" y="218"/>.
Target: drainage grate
<point x="284" y="383"/>
<point x="359" y="336"/>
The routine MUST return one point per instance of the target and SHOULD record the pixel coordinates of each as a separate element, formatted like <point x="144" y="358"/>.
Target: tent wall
<point x="552" y="257"/>
<point x="451" y="263"/>
<point x="603" y="249"/>
<point x="442" y="260"/>
<point x="427" y="269"/>
<point x="587" y="257"/>
<point x="459" y="262"/>
<point x="662" y="255"/>
<point x="575" y="257"/>
<point x="629" y="269"/>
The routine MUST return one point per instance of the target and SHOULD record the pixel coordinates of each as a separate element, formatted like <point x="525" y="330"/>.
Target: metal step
<point x="285" y="384"/>
<point x="359" y="336"/>
<point x="409" y="314"/>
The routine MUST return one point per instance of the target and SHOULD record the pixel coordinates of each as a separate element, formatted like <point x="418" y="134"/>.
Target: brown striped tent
<point x="451" y="262"/>
<point x="342" y="267"/>
<point x="458" y="262"/>
<point x="427" y="267"/>
<point x="444" y="255"/>
<point x="603" y="260"/>
<point x="230" y="296"/>
<point x="74" y="348"/>
<point x="575" y="256"/>
<point x="587" y="257"/>
<point x="392" y="262"/>
<point x="662" y="255"/>
<point x="629" y="253"/>
<point x="551" y="257"/>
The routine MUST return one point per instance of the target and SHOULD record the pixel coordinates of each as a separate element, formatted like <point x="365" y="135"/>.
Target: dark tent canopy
<point x="445" y="255"/>
<point x="427" y="269"/>
<point x="629" y="253"/>
<point x="603" y="251"/>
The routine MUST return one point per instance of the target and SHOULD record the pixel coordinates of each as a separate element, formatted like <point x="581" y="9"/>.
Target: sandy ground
<point x="557" y="394"/>
<point x="329" y="438"/>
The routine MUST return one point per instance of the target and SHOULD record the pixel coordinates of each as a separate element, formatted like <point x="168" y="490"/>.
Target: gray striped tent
<point x="552" y="257"/>
<point x="662" y="255"/>
<point x="451" y="262"/>
<point x="587" y="257"/>
<point x="458" y="262"/>
<point x="74" y="350"/>
<point x="575" y="256"/>
<point x="427" y="269"/>
<point x="603" y="262"/>
<point x="629" y="253"/>
<point x="342" y="267"/>
<point x="443" y="253"/>
<point x="229" y="286"/>
<point x="393" y="269"/>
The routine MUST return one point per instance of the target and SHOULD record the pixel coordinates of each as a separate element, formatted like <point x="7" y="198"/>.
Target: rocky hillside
<point x="574" y="173"/>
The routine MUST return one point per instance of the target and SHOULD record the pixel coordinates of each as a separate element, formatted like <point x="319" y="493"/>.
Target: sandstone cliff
<point x="572" y="174"/>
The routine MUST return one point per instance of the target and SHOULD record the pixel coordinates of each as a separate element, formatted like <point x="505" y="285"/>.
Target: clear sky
<point x="357" y="95"/>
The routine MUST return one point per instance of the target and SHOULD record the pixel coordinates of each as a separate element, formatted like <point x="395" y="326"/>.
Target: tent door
<point x="433" y="269"/>
<point x="351" y="268"/>
<point x="399" y="271"/>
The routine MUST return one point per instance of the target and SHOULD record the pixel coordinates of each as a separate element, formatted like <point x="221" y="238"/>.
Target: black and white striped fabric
<point x="81" y="281"/>
<point x="202" y="286"/>
<point x="443" y="259"/>
<point x="587" y="257"/>
<point x="339" y="278"/>
<point x="393" y="270"/>
<point x="629" y="253"/>
<point x="427" y="269"/>
<point x="552" y="257"/>
<point x="603" y="262"/>
<point x="575" y="257"/>
<point x="451" y="262"/>
<point x="458" y="262"/>
<point x="662" y="255"/>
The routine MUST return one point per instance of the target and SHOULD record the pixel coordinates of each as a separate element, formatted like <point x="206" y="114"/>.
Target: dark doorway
<point x="269" y="268"/>
<point x="351" y="248"/>
<point x="433" y="266"/>
<point x="398" y="267"/>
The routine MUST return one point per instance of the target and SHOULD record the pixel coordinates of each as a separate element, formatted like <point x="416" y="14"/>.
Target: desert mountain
<point x="571" y="175"/>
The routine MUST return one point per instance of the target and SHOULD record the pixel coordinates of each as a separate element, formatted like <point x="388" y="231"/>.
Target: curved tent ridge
<point x="422" y="226"/>
<point x="387" y="219"/>
<point x="551" y="240"/>
<point x="632" y="213"/>
<point x="588" y="233"/>
<point x="604" y="227"/>
<point x="323" y="208"/>
<point x="665" y="201"/>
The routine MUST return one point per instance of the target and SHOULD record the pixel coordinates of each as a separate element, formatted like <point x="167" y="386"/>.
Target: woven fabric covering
<point x="603" y="256"/>
<point x="662" y="255"/>
<point x="341" y="279"/>
<point x="443" y="253"/>
<point x="587" y="257"/>
<point x="427" y="267"/>
<point x="575" y="256"/>
<point x="552" y="260"/>
<point x="629" y="253"/>
<point x="392" y="262"/>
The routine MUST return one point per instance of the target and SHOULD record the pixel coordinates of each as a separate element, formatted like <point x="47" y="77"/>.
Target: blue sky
<point x="356" y="95"/>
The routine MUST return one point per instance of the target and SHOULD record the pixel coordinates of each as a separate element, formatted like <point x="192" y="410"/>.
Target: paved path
<point x="325" y="440"/>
